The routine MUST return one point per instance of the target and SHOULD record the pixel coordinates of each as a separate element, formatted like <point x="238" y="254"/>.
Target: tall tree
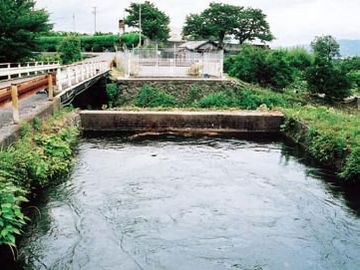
<point x="155" y="23"/>
<point x="20" y="25"/>
<point x="214" y="23"/>
<point x="326" y="47"/>
<point x="250" y="25"/>
<point x="220" y="21"/>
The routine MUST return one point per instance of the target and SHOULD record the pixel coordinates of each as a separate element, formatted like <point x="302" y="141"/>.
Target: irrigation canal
<point x="193" y="203"/>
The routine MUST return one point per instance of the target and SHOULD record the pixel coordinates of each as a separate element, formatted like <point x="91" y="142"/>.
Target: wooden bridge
<point x="63" y="82"/>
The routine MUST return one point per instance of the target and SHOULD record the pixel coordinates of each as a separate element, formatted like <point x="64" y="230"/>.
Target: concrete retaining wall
<point x="183" y="122"/>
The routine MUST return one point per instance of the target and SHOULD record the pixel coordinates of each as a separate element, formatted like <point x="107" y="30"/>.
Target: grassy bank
<point x="331" y="136"/>
<point x="43" y="155"/>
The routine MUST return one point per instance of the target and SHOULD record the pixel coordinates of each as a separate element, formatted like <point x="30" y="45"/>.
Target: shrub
<point x="251" y="99"/>
<point x="351" y="170"/>
<point x="112" y="92"/>
<point x="262" y="66"/>
<point x="278" y="73"/>
<point x="152" y="97"/>
<point x="218" y="100"/>
<point x="42" y="155"/>
<point x="11" y="217"/>
<point x="299" y="59"/>
<point x="99" y="43"/>
<point x="70" y="50"/>
<point x="130" y="40"/>
<point x="324" y="78"/>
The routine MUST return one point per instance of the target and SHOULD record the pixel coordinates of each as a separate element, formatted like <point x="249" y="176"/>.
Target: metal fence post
<point x="15" y="103"/>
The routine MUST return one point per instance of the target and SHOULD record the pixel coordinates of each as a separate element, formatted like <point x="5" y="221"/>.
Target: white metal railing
<point x="71" y="75"/>
<point x="10" y="70"/>
<point x="171" y="63"/>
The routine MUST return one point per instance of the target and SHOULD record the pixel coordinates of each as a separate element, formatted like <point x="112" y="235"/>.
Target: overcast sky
<point x="292" y="21"/>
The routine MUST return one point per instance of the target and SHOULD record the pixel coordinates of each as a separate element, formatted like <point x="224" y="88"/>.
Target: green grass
<point x="332" y="135"/>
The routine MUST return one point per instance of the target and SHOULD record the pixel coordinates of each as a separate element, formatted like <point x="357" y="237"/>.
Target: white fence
<point x="18" y="70"/>
<point x="68" y="76"/>
<point x="171" y="63"/>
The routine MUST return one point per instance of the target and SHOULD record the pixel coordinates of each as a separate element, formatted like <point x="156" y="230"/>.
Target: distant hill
<point x="349" y="47"/>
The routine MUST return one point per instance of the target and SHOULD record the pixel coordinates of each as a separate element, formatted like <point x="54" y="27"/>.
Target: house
<point x="200" y="46"/>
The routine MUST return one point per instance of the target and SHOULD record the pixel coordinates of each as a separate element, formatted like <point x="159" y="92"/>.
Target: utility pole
<point x="140" y="29"/>
<point x="95" y="13"/>
<point x="74" y="23"/>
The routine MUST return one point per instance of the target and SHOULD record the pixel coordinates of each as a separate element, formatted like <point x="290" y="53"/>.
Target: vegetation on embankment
<point x="330" y="136"/>
<point x="43" y="154"/>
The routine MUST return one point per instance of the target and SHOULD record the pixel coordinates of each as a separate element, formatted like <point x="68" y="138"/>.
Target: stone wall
<point x="179" y="88"/>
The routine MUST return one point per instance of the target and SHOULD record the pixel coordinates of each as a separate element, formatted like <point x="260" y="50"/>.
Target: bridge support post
<point x="50" y="87"/>
<point x="15" y="103"/>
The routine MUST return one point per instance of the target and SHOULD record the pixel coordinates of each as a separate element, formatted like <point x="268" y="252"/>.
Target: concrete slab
<point x="182" y="122"/>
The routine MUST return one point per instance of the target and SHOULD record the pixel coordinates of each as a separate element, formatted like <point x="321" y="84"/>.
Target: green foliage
<point x="252" y="99"/>
<point x="98" y="43"/>
<point x="325" y="78"/>
<point x="299" y="59"/>
<point x="130" y="40"/>
<point x="331" y="135"/>
<point x="220" y="21"/>
<point x="49" y="43"/>
<point x="46" y="58"/>
<point x="42" y="155"/>
<point x="152" y="97"/>
<point x="11" y="217"/>
<point x="194" y="96"/>
<point x="265" y="67"/>
<point x="21" y="23"/>
<point x="155" y="23"/>
<point x="351" y="170"/>
<point x="218" y="100"/>
<point x="112" y="92"/>
<point x="70" y="50"/>
<point x="246" y="99"/>
<point x="326" y="47"/>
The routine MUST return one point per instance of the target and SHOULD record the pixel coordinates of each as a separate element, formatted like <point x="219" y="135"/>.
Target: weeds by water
<point x="42" y="155"/>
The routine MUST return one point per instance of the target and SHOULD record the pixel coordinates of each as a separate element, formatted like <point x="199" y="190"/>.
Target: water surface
<point x="193" y="204"/>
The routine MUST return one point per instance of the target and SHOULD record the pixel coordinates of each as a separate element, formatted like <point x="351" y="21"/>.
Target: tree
<point x="220" y="21"/>
<point x="155" y="23"/>
<point x="250" y="25"/>
<point x="70" y="50"/>
<point x="20" y="25"/>
<point x="262" y="66"/>
<point x="326" y="47"/>
<point x="325" y="78"/>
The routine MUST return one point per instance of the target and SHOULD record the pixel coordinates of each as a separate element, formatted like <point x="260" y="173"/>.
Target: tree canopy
<point x="155" y="23"/>
<point x="219" y="21"/>
<point x="326" y="47"/>
<point x="20" y="25"/>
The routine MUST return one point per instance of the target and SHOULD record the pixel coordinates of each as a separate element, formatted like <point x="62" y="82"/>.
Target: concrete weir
<point x="237" y="122"/>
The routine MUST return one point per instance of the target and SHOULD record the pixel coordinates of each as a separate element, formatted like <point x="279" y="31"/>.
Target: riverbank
<point x="331" y="136"/>
<point x="43" y="155"/>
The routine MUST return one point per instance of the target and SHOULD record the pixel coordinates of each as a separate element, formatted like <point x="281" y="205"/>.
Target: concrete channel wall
<point x="183" y="122"/>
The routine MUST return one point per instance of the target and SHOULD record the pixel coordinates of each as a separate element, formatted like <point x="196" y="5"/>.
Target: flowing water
<point x="203" y="203"/>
